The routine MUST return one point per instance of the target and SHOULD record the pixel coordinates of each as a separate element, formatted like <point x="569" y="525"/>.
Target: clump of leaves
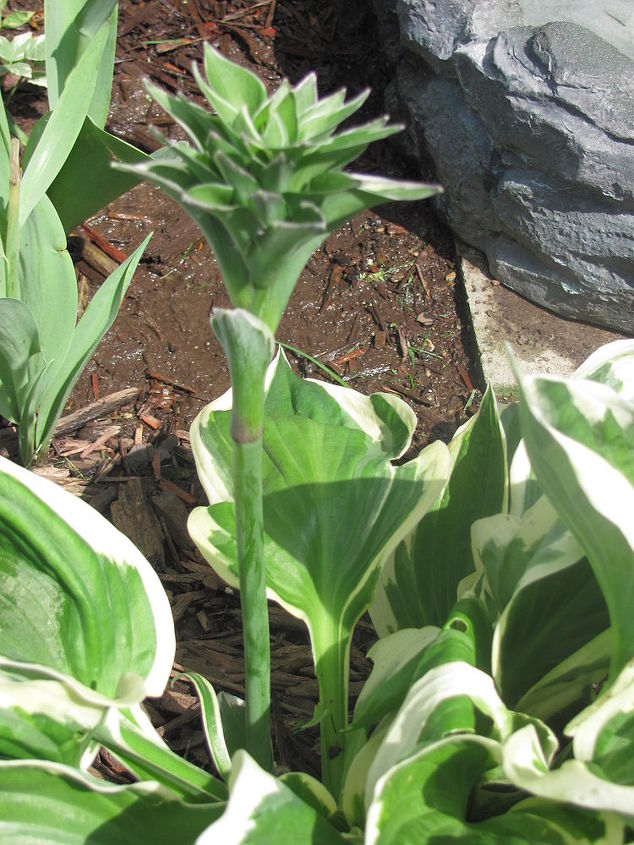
<point x="23" y="56"/>
<point x="264" y="176"/>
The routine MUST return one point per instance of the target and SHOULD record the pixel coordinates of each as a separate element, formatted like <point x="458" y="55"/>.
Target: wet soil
<point x="379" y="305"/>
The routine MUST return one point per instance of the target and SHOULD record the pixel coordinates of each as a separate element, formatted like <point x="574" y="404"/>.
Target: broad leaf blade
<point x="75" y="595"/>
<point x="51" y="804"/>
<point x="63" y="126"/>
<point x="100" y="314"/>
<point x="47" y="281"/>
<point x="89" y="164"/>
<point x="262" y="809"/>
<point x="71" y="27"/>
<point x="19" y="341"/>
<point x="580" y="437"/>
<point x="529" y="565"/>
<point x="420" y="582"/>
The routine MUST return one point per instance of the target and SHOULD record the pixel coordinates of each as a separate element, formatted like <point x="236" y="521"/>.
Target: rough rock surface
<point x="531" y="132"/>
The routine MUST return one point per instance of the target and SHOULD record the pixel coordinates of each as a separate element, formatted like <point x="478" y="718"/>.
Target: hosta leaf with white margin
<point x="553" y="619"/>
<point x="47" y="803"/>
<point x="334" y="505"/>
<point x="419" y="583"/>
<point x="270" y="154"/>
<point x="430" y="766"/>
<point x="262" y="809"/>
<point x="436" y="693"/>
<point x="613" y="365"/>
<point x="579" y="436"/>
<point x="427" y="798"/>
<point x="402" y="658"/>
<point x="77" y="601"/>
<point x="601" y="775"/>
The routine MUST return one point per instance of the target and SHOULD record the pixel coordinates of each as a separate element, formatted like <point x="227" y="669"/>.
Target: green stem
<point x="332" y="676"/>
<point x="249" y="345"/>
<point x="13" y="222"/>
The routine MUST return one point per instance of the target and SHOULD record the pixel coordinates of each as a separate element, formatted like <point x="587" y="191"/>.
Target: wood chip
<point x="148" y="419"/>
<point x="112" y="431"/>
<point x="172" y="487"/>
<point x="101" y="408"/>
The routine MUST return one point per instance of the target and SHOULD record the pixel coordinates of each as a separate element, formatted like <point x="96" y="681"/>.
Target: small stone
<point x="424" y="320"/>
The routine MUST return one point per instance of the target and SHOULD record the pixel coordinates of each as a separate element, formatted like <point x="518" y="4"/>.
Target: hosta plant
<point x="449" y="741"/>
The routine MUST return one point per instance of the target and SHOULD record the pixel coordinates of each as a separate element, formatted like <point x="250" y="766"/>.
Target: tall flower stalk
<point x="263" y="176"/>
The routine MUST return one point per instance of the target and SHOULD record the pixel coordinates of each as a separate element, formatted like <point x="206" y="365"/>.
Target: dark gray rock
<point x="530" y="130"/>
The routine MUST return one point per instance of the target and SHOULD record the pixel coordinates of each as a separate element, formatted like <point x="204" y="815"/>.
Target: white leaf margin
<point x="106" y="540"/>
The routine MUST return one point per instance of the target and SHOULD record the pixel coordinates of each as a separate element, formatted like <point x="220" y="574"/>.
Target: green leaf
<point x="89" y="164"/>
<point x="262" y="809"/>
<point x="231" y="87"/>
<point x="326" y="114"/>
<point x="440" y="685"/>
<point x="16" y="19"/>
<point x="75" y="595"/>
<point x="426" y="798"/>
<point x="580" y="436"/>
<point x="98" y="317"/>
<point x="62" y="127"/>
<point x="212" y="723"/>
<point x="71" y="28"/>
<point x="575" y="782"/>
<point x="334" y="506"/>
<point x="19" y="341"/>
<point x="529" y="565"/>
<point x="50" y="804"/>
<point x="394" y="659"/>
<point x="47" y="280"/>
<point x="613" y="365"/>
<point x="420" y="581"/>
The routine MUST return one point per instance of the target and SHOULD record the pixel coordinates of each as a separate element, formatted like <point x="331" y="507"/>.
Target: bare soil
<point x="379" y="305"/>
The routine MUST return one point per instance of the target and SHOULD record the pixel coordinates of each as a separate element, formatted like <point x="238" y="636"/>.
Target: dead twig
<point x="101" y="408"/>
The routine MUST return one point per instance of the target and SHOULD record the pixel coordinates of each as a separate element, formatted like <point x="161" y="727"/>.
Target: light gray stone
<point x="531" y="132"/>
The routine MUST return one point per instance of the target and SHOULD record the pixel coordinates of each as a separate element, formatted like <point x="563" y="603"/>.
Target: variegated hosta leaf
<point x="263" y="179"/>
<point x="579" y="436"/>
<point x="419" y="584"/>
<point x="428" y="798"/>
<point x="445" y="699"/>
<point x="47" y="803"/>
<point x="613" y="365"/>
<point x="334" y="504"/>
<point x="601" y="775"/>
<point x="400" y="659"/>
<point x="547" y="651"/>
<point x="81" y="610"/>
<point x="262" y="810"/>
<point x="437" y="772"/>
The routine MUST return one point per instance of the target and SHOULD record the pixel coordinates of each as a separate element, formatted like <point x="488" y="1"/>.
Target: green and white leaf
<point x="76" y="596"/>
<point x="426" y="798"/>
<point x="62" y="126"/>
<point x="334" y="505"/>
<point x="48" y="803"/>
<point x="262" y="809"/>
<point x="580" y="440"/>
<point x="419" y="583"/>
